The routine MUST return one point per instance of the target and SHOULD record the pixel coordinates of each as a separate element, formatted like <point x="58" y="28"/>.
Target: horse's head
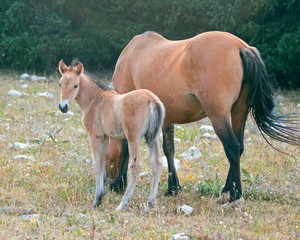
<point x="69" y="84"/>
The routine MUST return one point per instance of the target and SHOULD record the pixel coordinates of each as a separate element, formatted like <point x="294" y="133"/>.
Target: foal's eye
<point x="76" y="86"/>
<point x="59" y="84"/>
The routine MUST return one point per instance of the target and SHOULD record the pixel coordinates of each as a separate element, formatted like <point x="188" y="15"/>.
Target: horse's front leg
<point x="99" y="144"/>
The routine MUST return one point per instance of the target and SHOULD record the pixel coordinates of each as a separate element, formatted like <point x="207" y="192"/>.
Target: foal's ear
<point x="79" y="68"/>
<point x="62" y="67"/>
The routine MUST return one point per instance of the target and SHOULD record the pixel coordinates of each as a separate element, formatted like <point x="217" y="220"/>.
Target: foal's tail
<point x="261" y="101"/>
<point x="156" y="120"/>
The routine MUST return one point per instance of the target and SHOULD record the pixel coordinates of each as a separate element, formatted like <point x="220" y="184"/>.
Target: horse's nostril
<point x="63" y="109"/>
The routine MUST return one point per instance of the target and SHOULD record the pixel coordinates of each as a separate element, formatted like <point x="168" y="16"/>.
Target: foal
<point x="106" y="114"/>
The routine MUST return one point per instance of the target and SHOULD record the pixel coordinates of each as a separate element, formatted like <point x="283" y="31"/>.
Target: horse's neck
<point x="87" y="92"/>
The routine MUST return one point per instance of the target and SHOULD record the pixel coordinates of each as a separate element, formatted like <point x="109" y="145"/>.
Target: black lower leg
<point x="121" y="181"/>
<point x="168" y="147"/>
<point x="233" y="151"/>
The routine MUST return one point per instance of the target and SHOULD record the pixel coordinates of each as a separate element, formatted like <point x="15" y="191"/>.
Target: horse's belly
<point x="182" y="108"/>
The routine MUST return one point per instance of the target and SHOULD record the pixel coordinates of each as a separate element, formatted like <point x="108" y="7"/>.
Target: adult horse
<point x="215" y="75"/>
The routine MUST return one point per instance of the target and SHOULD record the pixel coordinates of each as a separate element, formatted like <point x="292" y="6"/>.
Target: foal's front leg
<point x="99" y="144"/>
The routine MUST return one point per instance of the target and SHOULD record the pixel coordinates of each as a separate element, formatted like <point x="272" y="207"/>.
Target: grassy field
<point x="48" y="193"/>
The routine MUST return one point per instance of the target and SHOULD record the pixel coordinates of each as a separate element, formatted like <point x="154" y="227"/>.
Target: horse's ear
<point x="79" y="68"/>
<point x="62" y="67"/>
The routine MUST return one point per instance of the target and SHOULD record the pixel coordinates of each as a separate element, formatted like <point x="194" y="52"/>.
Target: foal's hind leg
<point x="156" y="163"/>
<point x="168" y="147"/>
<point x="232" y="149"/>
<point x="134" y="171"/>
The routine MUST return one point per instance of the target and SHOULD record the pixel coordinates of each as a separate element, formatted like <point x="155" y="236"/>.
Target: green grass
<point x="58" y="184"/>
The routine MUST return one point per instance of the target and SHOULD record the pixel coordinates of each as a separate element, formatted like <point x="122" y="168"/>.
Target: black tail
<point x="157" y="116"/>
<point x="261" y="101"/>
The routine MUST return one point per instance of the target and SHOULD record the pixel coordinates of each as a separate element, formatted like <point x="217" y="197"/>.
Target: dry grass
<point x="58" y="183"/>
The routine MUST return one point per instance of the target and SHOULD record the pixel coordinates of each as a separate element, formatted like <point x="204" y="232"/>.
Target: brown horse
<point x="214" y="75"/>
<point x="107" y="114"/>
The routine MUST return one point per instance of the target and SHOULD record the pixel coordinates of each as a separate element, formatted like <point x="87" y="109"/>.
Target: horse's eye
<point x="76" y="86"/>
<point x="59" y="84"/>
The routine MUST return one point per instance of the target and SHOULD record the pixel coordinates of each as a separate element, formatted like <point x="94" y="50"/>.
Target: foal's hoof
<point x="224" y="198"/>
<point x="121" y="207"/>
<point x="235" y="204"/>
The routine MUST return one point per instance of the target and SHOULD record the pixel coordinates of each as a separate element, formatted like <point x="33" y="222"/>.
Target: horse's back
<point x="192" y="77"/>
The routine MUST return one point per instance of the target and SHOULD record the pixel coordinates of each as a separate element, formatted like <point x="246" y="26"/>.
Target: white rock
<point x="23" y="157"/>
<point x="208" y="135"/>
<point x="29" y="217"/>
<point x="14" y="93"/>
<point x="110" y="85"/>
<point x="187" y="210"/>
<point x="46" y="95"/>
<point x="57" y="113"/>
<point x="21" y="145"/>
<point x="207" y="128"/>
<point x="193" y="153"/>
<point x="25" y="85"/>
<point x="24" y="76"/>
<point x="176" y="162"/>
<point x="144" y="174"/>
<point x="37" y="78"/>
<point x="81" y="130"/>
<point x="2" y="138"/>
<point x="181" y="236"/>
<point x="177" y="140"/>
<point x="298" y="106"/>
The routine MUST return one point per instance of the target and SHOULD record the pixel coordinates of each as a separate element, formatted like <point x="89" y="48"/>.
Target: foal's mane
<point x="95" y="80"/>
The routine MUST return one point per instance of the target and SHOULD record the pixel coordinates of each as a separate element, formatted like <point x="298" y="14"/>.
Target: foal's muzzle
<point x="63" y="107"/>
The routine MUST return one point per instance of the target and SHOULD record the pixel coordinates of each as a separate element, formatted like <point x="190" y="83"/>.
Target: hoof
<point x="224" y="198"/>
<point x="235" y="204"/>
<point x="121" y="207"/>
<point x="173" y="192"/>
<point x="118" y="185"/>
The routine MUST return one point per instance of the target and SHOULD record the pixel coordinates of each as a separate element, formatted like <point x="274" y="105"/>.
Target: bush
<point x="36" y="34"/>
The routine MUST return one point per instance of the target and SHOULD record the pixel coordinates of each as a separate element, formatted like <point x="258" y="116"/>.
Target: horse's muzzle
<point x="63" y="107"/>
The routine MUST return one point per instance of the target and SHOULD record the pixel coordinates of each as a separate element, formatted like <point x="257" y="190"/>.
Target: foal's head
<point x="69" y="84"/>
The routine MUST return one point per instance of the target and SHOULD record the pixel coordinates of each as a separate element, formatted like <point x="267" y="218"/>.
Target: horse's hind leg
<point x="156" y="164"/>
<point x="239" y="114"/>
<point x="134" y="171"/>
<point x="232" y="148"/>
<point x="168" y="147"/>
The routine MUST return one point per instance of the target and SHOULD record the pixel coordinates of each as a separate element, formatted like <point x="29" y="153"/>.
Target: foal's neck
<point x="87" y="92"/>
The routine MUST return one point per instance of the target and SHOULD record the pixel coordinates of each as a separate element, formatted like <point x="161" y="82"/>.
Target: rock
<point x="144" y="174"/>
<point x="24" y="76"/>
<point x="23" y="158"/>
<point x="46" y="95"/>
<point x="2" y="138"/>
<point x="21" y="145"/>
<point x="193" y="153"/>
<point x="24" y="85"/>
<point x="298" y="106"/>
<point x="187" y="210"/>
<point x="37" y="78"/>
<point x="111" y="85"/>
<point x="176" y="162"/>
<point x="207" y="128"/>
<point x="57" y="113"/>
<point x="208" y="135"/>
<point x="14" y="93"/>
<point x="181" y="236"/>
<point x="29" y="217"/>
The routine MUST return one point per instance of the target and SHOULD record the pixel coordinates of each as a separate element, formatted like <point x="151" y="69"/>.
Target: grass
<point x="58" y="183"/>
